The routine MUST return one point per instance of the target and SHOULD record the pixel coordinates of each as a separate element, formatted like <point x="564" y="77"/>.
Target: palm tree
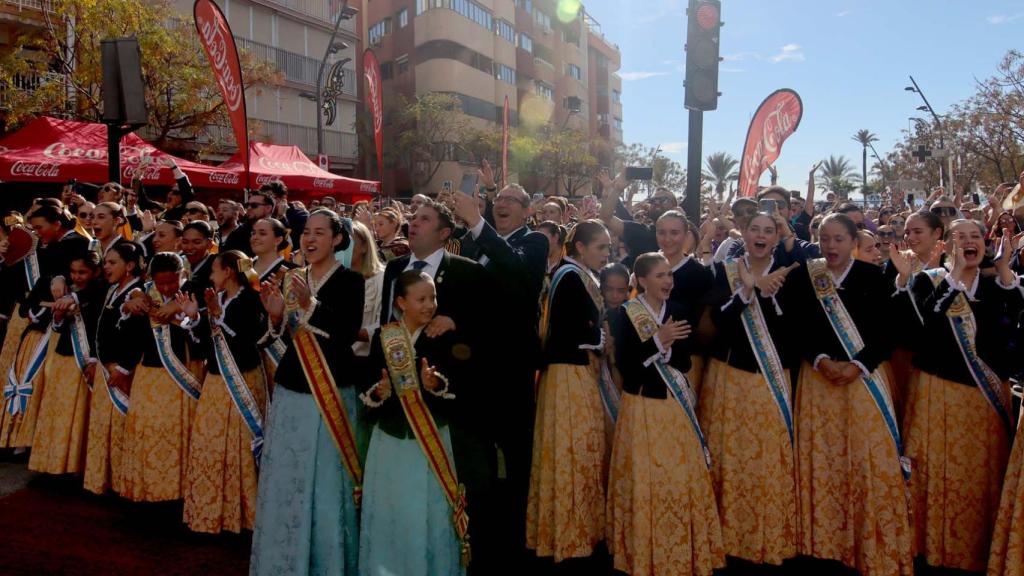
<point x="719" y="170"/>
<point x="836" y="172"/>
<point x="866" y="138"/>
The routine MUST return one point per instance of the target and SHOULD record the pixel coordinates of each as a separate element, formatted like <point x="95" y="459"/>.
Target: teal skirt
<point x="407" y="521"/>
<point x="306" y="518"/>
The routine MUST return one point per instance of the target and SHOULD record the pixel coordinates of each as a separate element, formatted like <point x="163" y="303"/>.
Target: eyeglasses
<point x="84" y="214"/>
<point x="944" y="211"/>
<point x="255" y="205"/>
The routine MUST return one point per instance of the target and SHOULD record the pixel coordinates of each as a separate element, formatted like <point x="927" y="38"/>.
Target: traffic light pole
<point x="691" y="202"/>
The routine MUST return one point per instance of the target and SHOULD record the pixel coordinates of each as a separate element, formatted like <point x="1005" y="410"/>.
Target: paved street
<point x="51" y="526"/>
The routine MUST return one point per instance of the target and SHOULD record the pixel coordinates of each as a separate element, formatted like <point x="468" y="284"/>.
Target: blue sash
<point x="763" y="347"/>
<point x="965" y="328"/>
<point x="118" y="398"/>
<point x="80" y="342"/>
<point x="610" y="395"/>
<point x="17" y="391"/>
<point x="180" y="373"/>
<point x="32" y="272"/>
<point x="849" y="336"/>
<point x="275" y="351"/>
<point x="646" y="327"/>
<point x="241" y="396"/>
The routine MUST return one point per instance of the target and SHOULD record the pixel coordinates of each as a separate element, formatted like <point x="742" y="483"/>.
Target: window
<point x="473" y="11"/>
<point x="505" y="74"/>
<point x="387" y="70"/>
<point x="505" y="29"/>
<point x="403" y="63"/>
<point x="424" y="5"/>
<point x="379" y="30"/>
<point x="526" y="43"/>
<point x="545" y="90"/>
<point x="616" y="96"/>
<point x="574" y="71"/>
<point x="525" y="5"/>
<point x="403" y="18"/>
<point x="542" y="20"/>
<point x="617" y="123"/>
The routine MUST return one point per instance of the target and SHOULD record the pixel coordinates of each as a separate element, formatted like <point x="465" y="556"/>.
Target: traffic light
<point x="702" y="48"/>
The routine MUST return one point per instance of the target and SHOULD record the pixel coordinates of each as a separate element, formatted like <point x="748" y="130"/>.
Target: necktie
<point x="419" y="265"/>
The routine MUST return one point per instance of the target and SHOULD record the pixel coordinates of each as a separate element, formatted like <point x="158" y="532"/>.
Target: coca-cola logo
<point x="36" y="169"/>
<point x="368" y="187"/>
<point x="298" y="166"/>
<point x="325" y="183"/>
<point x="215" y="37"/>
<point x="144" y="172"/>
<point x="224" y="177"/>
<point x="774" y="122"/>
<point x="265" y="179"/>
<point x="61" y="151"/>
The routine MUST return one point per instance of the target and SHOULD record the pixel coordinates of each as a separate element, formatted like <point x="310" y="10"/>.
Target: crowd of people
<point x="476" y="382"/>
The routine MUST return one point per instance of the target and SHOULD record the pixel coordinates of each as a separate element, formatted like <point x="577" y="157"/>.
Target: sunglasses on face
<point x="255" y="205"/>
<point x="85" y="214"/>
<point x="944" y="211"/>
<point x="886" y="234"/>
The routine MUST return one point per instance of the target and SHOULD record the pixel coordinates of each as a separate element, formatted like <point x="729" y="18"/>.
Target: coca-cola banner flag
<point x="219" y="44"/>
<point x="776" y="119"/>
<point x="375" y="97"/>
<point x="504" y="145"/>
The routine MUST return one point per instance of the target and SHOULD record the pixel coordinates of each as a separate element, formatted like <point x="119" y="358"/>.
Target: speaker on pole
<point x="124" y="97"/>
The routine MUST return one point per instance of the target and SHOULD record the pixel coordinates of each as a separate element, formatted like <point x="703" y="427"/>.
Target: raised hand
<point x="428" y="377"/>
<point x="467" y="208"/>
<point x="935" y="260"/>
<point x="302" y="292"/>
<point x="956" y="270"/>
<point x="362" y="214"/>
<point x="746" y="277"/>
<point x="673" y="330"/>
<point x="487" y="175"/>
<point x="272" y="299"/>
<point x="902" y="264"/>
<point x="148" y="221"/>
<point x="772" y="283"/>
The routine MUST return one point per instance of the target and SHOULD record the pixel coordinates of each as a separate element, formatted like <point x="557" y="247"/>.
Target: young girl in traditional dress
<point x="227" y="430"/>
<point x="50" y="267"/>
<point x="661" y="506"/>
<point x="311" y="473"/>
<point x="61" y="429"/>
<point x="746" y="403"/>
<point x="108" y="406"/>
<point x="958" y="414"/>
<point x="413" y="501"/>
<point x="923" y="239"/>
<point x="691" y="282"/>
<point x="269" y="238"/>
<point x="108" y="218"/>
<point x="164" y="392"/>
<point x="15" y="275"/>
<point x="851" y="470"/>
<point x="565" y="514"/>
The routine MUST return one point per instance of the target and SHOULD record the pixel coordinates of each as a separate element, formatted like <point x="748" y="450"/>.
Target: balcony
<point x="295" y="67"/>
<point x="25" y="84"/>
<point x="323" y="10"/>
<point x="337" y="144"/>
<point x="36" y="5"/>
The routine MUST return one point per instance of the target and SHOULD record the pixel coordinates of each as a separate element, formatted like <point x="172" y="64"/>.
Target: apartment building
<point x="293" y="35"/>
<point x="485" y="50"/>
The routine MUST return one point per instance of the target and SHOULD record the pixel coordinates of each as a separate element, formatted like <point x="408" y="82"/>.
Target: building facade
<point x="553" y="70"/>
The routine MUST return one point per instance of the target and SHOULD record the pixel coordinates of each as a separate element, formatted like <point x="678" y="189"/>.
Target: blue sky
<point x="848" y="60"/>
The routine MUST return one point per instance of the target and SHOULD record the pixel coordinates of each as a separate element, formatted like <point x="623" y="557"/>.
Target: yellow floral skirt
<point x="63" y="422"/>
<point x="220" y="493"/>
<point x="753" y="465"/>
<point x="15" y="327"/>
<point x="959" y="448"/>
<point x="156" y="436"/>
<point x="17" y="430"/>
<point x="662" y="517"/>
<point x="696" y="374"/>
<point x="854" y="504"/>
<point x="104" y="449"/>
<point x="1006" y="557"/>
<point x="565" y="515"/>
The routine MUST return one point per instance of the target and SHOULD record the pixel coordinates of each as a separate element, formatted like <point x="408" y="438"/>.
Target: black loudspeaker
<point x="124" y="98"/>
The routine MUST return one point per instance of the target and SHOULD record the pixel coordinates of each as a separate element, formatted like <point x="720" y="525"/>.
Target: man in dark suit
<point x="515" y="260"/>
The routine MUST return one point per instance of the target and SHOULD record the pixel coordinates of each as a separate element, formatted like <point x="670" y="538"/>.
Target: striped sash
<point x="32" y="271"/>
<point x="118" y="398"/>
<point x="80" y="343"/>
<point x="180" y="373"/>
<point x="763" y="347"/>
<point x="676" y="382"/>
<point x="324" y="390"/>
<point x="401" y="361"/>
<point x="844" y="328"/>
<point x="17" y="390"/>
<point x="243" y="399"/>
<point x="965" y="329"/>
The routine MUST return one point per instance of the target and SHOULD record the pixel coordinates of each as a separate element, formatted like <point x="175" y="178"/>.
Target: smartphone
<point x="910" y="199"/>
<point x="976" y="198"/>
<point x="588" y="204"/>
<point x="446" y="186"/>
<point x="768" y="206"/>
<point x="538" y="196"/>
<point x="639" y="173"/>
<point x="468" y="185"/>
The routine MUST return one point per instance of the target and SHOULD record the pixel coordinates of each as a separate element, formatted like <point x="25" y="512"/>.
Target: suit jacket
<point x="515" y="269"/>
<point x="459" y="281"/>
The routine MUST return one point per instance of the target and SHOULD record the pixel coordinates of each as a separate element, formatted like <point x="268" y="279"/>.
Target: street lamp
<point x="325" y="98"/>
<point x="927" y="107"/>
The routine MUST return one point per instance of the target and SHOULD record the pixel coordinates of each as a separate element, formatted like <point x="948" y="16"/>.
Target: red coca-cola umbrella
<point x="269" y="162"/>
<point x="54" y="150"/>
